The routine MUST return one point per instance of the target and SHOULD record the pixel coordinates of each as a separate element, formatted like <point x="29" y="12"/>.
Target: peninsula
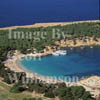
<point x="75" y="34"/>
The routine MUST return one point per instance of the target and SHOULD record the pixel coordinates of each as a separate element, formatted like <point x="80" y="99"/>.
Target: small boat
<point x="63" y="52"/>
<point x="59" y="53"/>
<point x="71" y="48"/>
<point x="91" y="47"/>
<point x="82" y="47"/>
<point x="55" y="54"/>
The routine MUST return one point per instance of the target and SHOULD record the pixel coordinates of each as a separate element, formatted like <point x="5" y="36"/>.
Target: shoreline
<point x="15" y="60"/>
<point x="15" y="65"/>
<point x="49" y="24"/>
<point x="90" y="83"/>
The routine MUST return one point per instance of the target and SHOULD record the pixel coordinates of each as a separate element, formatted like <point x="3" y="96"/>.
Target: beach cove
<point x="89" y="83"/>
<point x="80" y="53"/>
<point x="88" y="52"/>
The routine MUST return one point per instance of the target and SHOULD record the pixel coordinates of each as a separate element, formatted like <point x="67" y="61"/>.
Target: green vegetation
<point x="32" y="99"/>
<point x="23" y="43"/>
<point x="53" y="90"/>
<point x="49" y="90"/>
<point x="99" y="97"/>
<point x="49" y="94"/>
<point x="74" y="93"/>
<point x="5" y="93"/>
<point x="18" y="88"/>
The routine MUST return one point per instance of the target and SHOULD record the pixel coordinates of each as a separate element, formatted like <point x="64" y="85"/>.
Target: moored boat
<point x="59" y="53"/>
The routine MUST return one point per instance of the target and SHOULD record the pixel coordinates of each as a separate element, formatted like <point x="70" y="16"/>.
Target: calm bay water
<point x="24" y="12"/>
<point x="81" y="62"/>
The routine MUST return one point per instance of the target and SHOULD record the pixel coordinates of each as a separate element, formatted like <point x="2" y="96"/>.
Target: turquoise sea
<point x="78" y="62"/>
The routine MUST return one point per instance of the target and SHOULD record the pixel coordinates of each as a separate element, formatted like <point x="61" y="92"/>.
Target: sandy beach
<point x="91" y="84"/>
<point x="15" y="65"/>
<point x="49" y="24"/>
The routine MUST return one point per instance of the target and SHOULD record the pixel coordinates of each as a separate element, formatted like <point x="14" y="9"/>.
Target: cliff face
<point x="89" y="41"/>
